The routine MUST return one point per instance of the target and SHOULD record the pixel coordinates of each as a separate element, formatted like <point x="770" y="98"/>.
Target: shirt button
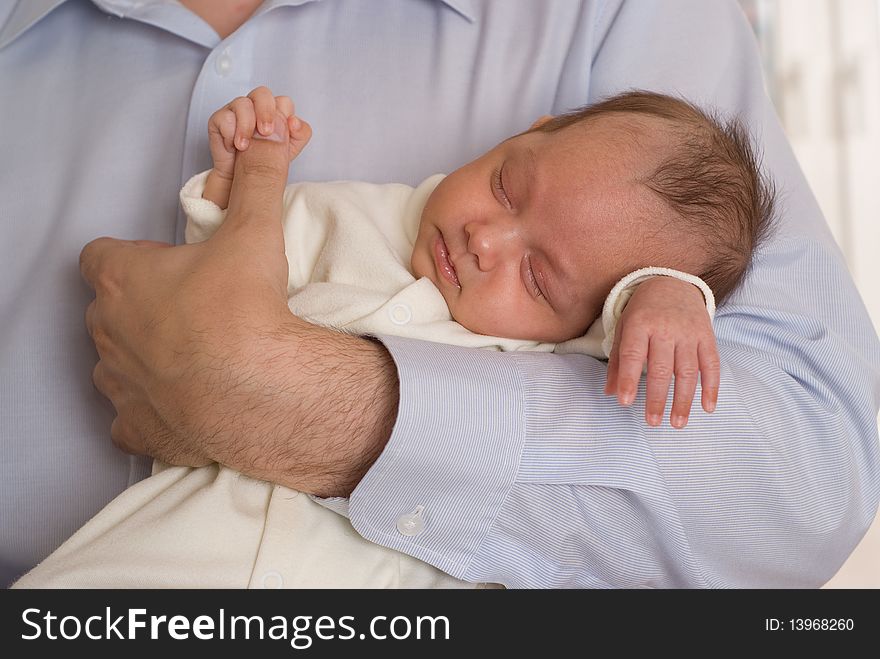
<point x="272" y="581"/>
<point x="223" y="64"/>
<point x="412" y="523"/>
<point x="400" y="314"/>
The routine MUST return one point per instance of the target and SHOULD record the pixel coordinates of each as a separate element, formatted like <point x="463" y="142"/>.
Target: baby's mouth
<point x="442" y="262"/>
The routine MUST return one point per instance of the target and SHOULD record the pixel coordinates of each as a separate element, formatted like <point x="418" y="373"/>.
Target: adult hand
<point x="204" y="362"/>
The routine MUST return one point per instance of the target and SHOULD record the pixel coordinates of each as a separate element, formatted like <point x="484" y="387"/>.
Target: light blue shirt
<point x="526" y="473"/>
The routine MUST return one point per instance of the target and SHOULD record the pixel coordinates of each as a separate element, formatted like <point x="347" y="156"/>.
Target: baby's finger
<point x="222" y="126"/>
<point x="245" y="118"/>
<point x="284" y="105"/>
<point x="300" y="134"/>
<point x="264" y="106"/>
<point x="710" y="373"/>
<point x="613" y="365"/>
<point x="632" y="351"/>
<point x="661" y="355"/>
<point x="686" y="370"/>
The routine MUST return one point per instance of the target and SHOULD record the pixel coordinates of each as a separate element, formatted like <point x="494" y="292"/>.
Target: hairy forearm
<point x="313" y="408"/>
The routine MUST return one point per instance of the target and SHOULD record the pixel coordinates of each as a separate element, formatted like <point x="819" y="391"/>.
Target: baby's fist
<point x="255" y="116"/>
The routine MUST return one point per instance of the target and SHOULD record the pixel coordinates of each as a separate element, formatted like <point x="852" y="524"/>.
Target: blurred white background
<point x="822" y="65"/>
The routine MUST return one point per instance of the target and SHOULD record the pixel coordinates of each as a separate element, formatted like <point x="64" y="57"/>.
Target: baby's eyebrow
<point x="530" y="165"/>
<point x="524" y="166"/>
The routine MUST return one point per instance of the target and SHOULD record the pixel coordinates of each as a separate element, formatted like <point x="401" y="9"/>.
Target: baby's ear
<point x="541" y="121"/>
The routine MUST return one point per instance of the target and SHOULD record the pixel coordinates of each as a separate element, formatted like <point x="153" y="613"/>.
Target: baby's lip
<point x="443" y="263"/>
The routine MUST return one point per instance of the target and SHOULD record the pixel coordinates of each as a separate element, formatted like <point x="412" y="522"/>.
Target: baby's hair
<point x="711" y="179"/>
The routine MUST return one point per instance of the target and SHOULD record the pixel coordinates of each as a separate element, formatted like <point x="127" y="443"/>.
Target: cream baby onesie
<point x="348" y="245"/>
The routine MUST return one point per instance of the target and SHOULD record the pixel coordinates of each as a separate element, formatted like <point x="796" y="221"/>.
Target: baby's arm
<point x="232" y="127"/>
<point x="666" y="323"/>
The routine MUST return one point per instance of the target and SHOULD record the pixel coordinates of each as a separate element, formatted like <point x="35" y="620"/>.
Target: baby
<point x="536" y="245"/>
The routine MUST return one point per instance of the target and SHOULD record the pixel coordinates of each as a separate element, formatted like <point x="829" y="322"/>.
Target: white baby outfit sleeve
<point x="203" y="216"/>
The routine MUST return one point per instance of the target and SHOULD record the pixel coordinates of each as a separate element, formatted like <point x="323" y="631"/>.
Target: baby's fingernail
<point x="266" y="128"/>
<point x="296" y="123"/>
<point x="678" y="421"/>
<point x="710" y="406"/>
<point x="627" y="397"/>
<point x="654" y="419"/>
<point x="243" y="143"/>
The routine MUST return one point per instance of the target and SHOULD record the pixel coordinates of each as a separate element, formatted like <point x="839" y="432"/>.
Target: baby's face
<point x="526" y="241"/>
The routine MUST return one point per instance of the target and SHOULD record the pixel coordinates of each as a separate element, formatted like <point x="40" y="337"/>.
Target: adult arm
<point x="529" y="476"/>
<point x="204" y="362"/>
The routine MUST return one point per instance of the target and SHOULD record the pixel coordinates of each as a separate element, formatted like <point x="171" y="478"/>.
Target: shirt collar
<point x="464" y="7"/>
<point x="23" y="14"/>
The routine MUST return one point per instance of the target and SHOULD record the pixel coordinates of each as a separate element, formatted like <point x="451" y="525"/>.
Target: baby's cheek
<point x="418" y="263"/>
<point x="482" y="317"/>
<point x="461" y="312"/>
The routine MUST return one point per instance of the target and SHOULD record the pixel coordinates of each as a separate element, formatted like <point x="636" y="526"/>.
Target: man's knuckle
<point x="98" y="377"/>
<point x="118" y="435"/>
<point x="107" y="282"/>
<point x="88" y="256"/>
<point x="256" y="169"/>
<point x="101" y="339"/>
<point x="662" y="330"/>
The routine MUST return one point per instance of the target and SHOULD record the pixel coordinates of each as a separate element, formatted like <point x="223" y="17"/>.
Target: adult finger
<point x="123" y="436"/>
<point x="257" y="189"/>
<point x="90" y="318"/>
<point x="104" y="382"/>
<point x="686" y="370"/>
<point x="661" y="355"/>
<point x="264" y="107"/>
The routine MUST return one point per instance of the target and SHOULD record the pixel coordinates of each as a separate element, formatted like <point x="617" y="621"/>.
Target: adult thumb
<point x="255" y="201"/>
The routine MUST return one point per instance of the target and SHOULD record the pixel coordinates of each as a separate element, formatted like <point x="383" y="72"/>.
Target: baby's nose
<point x="491" y="243"/>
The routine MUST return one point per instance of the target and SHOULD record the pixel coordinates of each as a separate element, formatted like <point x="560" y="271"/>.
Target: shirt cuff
<point x="452" y="458"/>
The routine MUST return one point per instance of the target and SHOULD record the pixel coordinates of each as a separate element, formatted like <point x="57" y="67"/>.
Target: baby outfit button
<point x="223" y="64"/>
<point x="272" y="580"/>
<point x="412" y="523"/>
<point x="400" y="313"/>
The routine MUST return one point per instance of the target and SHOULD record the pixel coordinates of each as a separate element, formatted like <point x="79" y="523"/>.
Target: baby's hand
<point x="232" y="127"/>
<point x="665" y="322"/>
